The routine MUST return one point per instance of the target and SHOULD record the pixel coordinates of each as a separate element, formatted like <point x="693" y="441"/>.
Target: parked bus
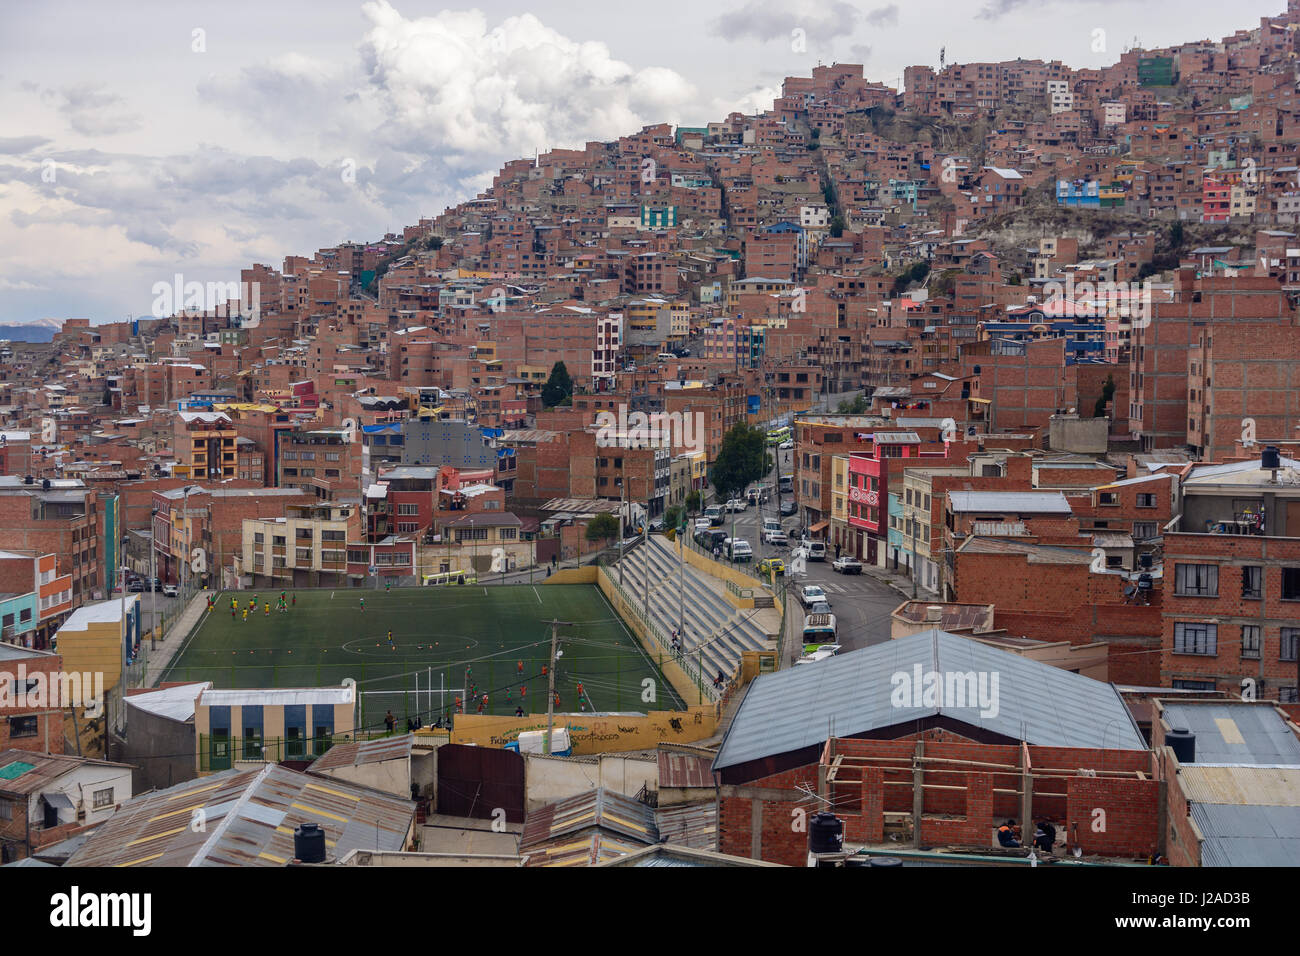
<point x="450" y="577"/>
<point x="778" y="435"/>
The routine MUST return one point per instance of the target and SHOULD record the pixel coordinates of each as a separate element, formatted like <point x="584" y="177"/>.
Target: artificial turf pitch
<point x="448" y="642"/>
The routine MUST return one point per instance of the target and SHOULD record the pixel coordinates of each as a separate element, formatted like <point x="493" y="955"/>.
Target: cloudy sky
<point x="159" y="137"/>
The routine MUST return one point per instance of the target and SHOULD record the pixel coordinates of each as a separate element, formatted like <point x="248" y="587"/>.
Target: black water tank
<point x="886" y="861"/>
<point x="826" y="834"/>
<point x="1271" y="458"/>
<point x="977" y="369"/>
<point x="1184" y="743"/>
<point x="1146" y="560"/>
<point x="309" y="843"/>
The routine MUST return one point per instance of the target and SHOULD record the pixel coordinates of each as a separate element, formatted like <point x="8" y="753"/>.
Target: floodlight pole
<point x="550" y="683"/>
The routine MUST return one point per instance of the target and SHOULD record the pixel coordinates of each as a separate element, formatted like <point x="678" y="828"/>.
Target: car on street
<point x="817" y="652"/>
<point x="816" y="549"/>
<point x="786" y="445"/>
<point x="788" y="508"/>
<point x="714" y="514"/>
<point x="171" y="590"/>
<point x="775" y="536"/>
<point x="737" y="504"/>
<point x="136" y="586"/>
<point x="703" y="524"/>
<point x="847" y="564"/>
<point x="810" y="594"/>
<point x="738" y="549"/>
<point x="771" y="566"/>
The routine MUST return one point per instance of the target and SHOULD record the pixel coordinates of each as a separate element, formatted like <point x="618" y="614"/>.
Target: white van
<point x="666" y="357"/>
<point x="738" y="549"/>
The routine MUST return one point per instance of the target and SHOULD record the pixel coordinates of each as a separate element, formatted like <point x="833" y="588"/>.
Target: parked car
<point x="772" y="566"/>
<point x="714" y="514"/>
<point x="157" y="584"/>
<point x="847" y="564"/>
<point x="788" y="508"/>
<point x="817" y="652"/>
<point x="775" y="536"/>
<point x="703" y="524"/>
<point x="710" y="538"/>
<point x="737" y="504"/>
<point x="738" y="549"/>
<point x="136" y="586"/>
<point x="816" y="549"/>
<point x="171" y="590"/>
<point x="810" y="594"/>
<point x="786" y="445"/>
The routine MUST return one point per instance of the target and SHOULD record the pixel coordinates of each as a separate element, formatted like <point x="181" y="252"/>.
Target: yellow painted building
<point x="93" y="638"/>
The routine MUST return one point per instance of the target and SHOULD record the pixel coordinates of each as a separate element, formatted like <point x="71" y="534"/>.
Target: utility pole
<point x="622" y="510"/>
<point x="550" y="683"/>
<point x="914" y="524"/>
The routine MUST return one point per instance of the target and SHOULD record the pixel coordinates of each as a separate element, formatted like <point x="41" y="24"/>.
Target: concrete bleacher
<point x="716" y="631"/>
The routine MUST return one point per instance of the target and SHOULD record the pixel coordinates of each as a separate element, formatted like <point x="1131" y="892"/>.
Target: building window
<point x="102" y="798"/>
<point x="1250" y="636"/>
<point x="1196" y="638"/>
<point x="1206" y="685"/>
<point x="1196" y="580"/>
<point x="22" y="727"/>
<point x="1252" y="581"/>
<point x="1291" y="584"/>
<point x="1146" y="501"/>
<point x="1290" y="637"/>
<point x="1288" y="695"/>
<point x="408" y="509"/>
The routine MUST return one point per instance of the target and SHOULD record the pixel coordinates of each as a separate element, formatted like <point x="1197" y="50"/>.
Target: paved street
<point x="862" y="603"/>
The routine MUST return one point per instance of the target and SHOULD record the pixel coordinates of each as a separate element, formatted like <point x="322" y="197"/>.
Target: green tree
<point x="1107" y="392"/>
<point x="602" y="527"/>
<point x="694" y="502"/>
<point x="856" y="406"/>
<point x="741" y="459"/>
<point x="674" y="516"/>
<point x="838" y="225"/>
<point x="558" y="389"/>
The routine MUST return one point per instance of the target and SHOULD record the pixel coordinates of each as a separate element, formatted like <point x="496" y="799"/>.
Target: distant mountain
<point x="38" y="330"/>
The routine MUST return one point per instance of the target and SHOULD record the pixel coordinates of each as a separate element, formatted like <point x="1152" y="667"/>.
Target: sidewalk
<point x="897" y="580"/>
<point x="161" y="654"/>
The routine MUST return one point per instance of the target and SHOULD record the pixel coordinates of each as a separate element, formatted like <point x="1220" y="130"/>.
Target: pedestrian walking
<point x="390" y="721"/>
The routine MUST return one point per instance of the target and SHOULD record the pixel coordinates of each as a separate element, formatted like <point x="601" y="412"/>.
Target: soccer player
<point x="245" y="615"/>
<point x="266" y="609"/>
<point x="390" y="638"/>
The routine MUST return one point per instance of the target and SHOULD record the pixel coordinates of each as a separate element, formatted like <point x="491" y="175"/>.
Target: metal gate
<point x="476" y="781"/>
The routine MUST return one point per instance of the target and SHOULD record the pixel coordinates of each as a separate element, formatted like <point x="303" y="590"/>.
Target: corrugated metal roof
<point x="1044" y="705"/>
<point x="685" y="770"/>
<point x="249" y="818"/>
<point x="1235" y="732"/>
<point x="174" y="703"/>
<point x="356" y="753"/>
<point x="1248" y="835"/>
<point x="689" y="824"/>
<point x="1024" y="502"/>
<point x="1247" y="786"/>
<point x="600" y="808"/>
<point x="275" y="696"/>
<point x="28" y="772"/>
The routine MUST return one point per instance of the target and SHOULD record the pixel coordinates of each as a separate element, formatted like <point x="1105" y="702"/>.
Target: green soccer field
<point x="448" y="642"/>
